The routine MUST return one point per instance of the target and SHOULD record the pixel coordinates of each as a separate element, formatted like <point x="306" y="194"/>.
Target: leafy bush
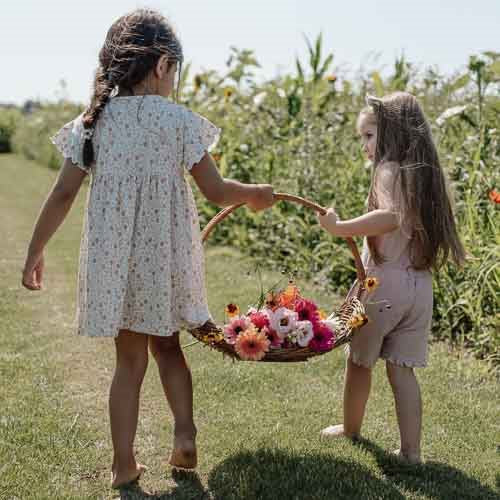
<point x="9" y="119"/>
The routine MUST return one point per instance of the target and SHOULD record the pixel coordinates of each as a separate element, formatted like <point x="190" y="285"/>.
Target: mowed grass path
<point x="258" y="423"/>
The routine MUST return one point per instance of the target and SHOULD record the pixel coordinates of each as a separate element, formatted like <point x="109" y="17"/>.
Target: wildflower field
<point x="297" y="131"/>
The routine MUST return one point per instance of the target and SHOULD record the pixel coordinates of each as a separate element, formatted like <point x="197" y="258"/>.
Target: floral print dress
<point x="141" y="258"/>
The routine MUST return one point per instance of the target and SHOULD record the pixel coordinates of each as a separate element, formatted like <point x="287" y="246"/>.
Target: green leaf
<point x="459" y="83"/>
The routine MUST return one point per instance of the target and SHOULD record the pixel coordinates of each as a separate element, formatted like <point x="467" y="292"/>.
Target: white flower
<point x="283" y="321"/>
<point x="449" y="113"/>
<point x="333" y="323"/>
<point x="244" y="148"/>
<point x="259" y="98"/>
<point x="281" y="93"/>
<point x="303" y="332"/>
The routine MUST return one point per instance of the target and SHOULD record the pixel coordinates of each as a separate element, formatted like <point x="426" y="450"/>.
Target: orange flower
<point x="272" y="301"/>
<point x="216" y="156"/>
<point x="322" y="314"/>
<point x="371" y="283"/>
<point x="332" y="78"/>
<point x="494" y="196"/>
<point x="288" y="296"/>
<point x="252" y="345"/>
<point x="232" y="310"/>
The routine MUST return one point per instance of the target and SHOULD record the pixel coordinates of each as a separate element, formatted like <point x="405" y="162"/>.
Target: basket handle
<point x="360" y="270"/>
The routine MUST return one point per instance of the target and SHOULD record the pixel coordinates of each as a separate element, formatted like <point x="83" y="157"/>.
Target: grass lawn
<point x="258" y="423"/>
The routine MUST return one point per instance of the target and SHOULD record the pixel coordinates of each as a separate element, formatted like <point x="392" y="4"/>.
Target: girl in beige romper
<point x="409" y="230"/>
<point x="141" y="275"/>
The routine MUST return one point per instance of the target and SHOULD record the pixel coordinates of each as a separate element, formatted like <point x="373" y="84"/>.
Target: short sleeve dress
<point x="141" y="258"/>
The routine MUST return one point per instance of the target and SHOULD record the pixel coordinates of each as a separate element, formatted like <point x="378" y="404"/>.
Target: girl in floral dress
<point x="141" y="276"/>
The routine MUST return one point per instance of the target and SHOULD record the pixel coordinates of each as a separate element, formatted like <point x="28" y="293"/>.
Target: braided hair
<point x="133" y="45"/>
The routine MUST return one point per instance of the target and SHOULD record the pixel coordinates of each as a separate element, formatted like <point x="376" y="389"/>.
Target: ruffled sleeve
<point x="199" y="135"/>
<point x="69" y="142"/>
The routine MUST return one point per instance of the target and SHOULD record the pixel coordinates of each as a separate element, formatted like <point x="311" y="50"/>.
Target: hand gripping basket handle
<point x="360" y="270"/>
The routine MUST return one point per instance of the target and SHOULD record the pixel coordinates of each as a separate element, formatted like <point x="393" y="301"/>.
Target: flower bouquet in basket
<point x="285" y="326"/>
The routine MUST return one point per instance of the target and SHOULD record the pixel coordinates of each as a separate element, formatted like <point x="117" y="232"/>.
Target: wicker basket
<point x="210" y="334"/>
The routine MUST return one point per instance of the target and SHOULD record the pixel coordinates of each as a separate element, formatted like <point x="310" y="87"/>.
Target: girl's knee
<point x="164" y="346"/>
<point x="132" y="352"/>
<point x="398" y="374"/>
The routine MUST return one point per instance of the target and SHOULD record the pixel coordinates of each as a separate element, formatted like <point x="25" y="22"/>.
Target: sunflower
<point x="232" y="310"/>
<point x="371" y="283"/>
<point x="332" y="78"/>
<point x="228" y="92"/>
<point x="252" y="345"/>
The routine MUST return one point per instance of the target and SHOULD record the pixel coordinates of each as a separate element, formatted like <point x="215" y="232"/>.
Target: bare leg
<point x="356" y="391"/>
<point x="176" y="380"/>
<point x="131" y="364"/>
<point x="408" y="409"/>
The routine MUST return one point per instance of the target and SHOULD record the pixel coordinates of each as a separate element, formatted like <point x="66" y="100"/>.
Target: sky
<point x="45" y="41"/>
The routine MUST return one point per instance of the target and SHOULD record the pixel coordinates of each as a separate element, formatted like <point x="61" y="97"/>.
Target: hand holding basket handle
<point x="352" y="308"/>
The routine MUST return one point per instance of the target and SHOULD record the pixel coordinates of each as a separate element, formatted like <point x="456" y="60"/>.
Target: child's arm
<point x="52" y="214"/>
<point x="224" y="192"/>
<point x="370" y="224"/>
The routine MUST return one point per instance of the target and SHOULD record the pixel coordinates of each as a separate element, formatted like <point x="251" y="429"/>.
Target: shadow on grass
<point x="188" y="487"/>
<point x="278" y="474"/>
<point x="434" y="480"/>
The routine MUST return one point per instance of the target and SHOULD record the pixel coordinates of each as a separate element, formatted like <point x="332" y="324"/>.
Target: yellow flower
<point x="332" y="78"/>
<point x="232" y="310"/>
<point x="228" y="92"/>
<point x="357" y="320"/>
<point x="322" y="315"/>
<point x="212" y="338"/>
<point x="371" y="283"/>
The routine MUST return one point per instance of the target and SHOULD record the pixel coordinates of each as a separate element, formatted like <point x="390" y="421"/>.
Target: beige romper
<point x="400" y="309"/>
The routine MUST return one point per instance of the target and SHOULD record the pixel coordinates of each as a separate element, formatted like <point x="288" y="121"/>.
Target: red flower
<point x="323" y="339"/>
<point x="259" y="319"/>
<point x="273" y="337"/>
<point x="307" y="311"/>
<point x="494" y="196"/>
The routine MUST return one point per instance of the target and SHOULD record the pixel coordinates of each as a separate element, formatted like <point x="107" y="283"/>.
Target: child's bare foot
<point x="184" y="455"/>
<point x="335" y="431"/>
<point x="408" y="458"/>
<point x="125" y="477"/>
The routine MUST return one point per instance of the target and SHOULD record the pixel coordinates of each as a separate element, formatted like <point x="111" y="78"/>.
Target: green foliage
<point x="298" y="133"/>
<point x="32" y="135"/>
<point x="9" y="119"/>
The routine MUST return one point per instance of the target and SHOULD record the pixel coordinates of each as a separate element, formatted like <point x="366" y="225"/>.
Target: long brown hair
<point x="133" y="45"/>
<point x="404" y="137"/>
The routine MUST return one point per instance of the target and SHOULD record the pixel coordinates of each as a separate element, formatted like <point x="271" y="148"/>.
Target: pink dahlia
<point x="260" y="319"/>
<point x="323" y="338"/>
<point x="237" y="326"/>
<point x="252" y="345"/>
<point x="307" y="311"/>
